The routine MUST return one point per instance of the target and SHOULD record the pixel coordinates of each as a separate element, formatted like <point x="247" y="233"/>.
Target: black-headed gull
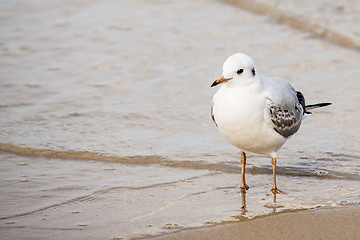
<point x="256" y="113"/>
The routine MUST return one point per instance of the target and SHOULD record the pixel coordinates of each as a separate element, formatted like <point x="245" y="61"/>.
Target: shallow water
<point x="126" y="87"/>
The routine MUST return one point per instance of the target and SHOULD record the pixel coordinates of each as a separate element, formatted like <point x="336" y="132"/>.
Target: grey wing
<point x="285" y="121"/>
<point x="284" y="109"/>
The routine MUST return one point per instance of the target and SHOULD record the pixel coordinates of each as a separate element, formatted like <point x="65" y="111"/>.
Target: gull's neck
<point x="245" y="82"/>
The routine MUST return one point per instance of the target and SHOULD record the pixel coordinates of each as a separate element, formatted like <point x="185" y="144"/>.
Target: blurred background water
<point x="129" y="82"/>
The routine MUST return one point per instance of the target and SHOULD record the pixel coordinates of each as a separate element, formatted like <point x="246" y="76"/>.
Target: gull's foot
<point x="243" y="189"/>
<point x="275" y="191"/>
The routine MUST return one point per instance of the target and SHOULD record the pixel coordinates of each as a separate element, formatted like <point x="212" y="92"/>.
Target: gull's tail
<point x="317" y="105"/>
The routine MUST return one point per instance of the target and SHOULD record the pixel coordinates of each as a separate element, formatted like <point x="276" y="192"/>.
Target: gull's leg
<point x="244" y="186"/>
<point x="274" y="188"/>
<point x="243" y="201"/>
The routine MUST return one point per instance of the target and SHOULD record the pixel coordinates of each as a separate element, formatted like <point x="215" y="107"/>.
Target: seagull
<point x="256" y="113"/>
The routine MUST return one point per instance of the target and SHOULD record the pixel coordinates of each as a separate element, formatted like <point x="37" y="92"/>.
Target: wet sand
<point x="49" y="198"/>
<point x="328" y="224"/>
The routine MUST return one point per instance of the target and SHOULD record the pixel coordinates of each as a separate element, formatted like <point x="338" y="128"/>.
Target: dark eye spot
<point x="240" y="71"/>
<point x="253" y="71"/>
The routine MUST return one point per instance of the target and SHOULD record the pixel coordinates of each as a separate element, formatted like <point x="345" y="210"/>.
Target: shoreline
<point x="319" y="223"/>
<point x="63" y="196"/>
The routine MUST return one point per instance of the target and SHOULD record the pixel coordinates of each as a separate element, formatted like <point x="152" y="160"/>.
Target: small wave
<point x="300" y="22"/>
<point x="154" y="159"/>
<point x="298" y="171"/>
<point x="347" y="203"/>
<point x="81" y="155"/>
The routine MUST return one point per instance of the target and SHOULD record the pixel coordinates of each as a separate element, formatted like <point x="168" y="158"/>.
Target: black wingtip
<point x="317" y="105"/>
<point x="324" y="104"/>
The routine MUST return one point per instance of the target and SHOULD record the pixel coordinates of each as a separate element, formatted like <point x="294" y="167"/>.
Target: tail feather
<point x="317" y="105"/>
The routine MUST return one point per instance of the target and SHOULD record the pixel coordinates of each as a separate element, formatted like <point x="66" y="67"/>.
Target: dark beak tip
<point x="214" y="83"/>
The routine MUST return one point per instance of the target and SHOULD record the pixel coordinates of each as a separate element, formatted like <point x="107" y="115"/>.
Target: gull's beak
<point x="220" y="80"/>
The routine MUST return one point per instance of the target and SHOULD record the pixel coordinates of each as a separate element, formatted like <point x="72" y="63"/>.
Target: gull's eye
<point x="240" y="71"/>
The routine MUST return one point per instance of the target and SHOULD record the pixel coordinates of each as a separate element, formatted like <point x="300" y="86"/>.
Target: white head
<point x="238" y="69"/>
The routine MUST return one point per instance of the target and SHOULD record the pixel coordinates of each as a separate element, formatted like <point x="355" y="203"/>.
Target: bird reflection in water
<point x="274" y="205"/>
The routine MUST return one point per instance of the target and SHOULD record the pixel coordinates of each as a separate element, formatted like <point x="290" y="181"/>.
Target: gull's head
<point x="238" y="69"/>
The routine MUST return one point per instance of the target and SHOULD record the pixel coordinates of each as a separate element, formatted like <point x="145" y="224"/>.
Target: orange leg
<point x="274" y="188"/>
<point x="244" y="186"/>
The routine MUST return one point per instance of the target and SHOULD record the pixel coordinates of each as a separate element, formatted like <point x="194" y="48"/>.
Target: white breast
<point x="239" y="114"/>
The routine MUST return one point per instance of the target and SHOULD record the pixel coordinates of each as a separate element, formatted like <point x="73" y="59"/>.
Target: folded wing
<point x="284" y="107"/>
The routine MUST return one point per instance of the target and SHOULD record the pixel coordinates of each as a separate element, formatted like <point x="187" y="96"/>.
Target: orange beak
<point x="220" y="80"/>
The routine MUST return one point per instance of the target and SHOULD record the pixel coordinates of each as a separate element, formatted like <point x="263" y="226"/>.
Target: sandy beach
<point x="105" y="127"/>
<point x="334" y="224"/>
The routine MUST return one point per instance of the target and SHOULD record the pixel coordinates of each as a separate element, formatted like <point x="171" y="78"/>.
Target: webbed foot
<point x="275" y="191"/>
